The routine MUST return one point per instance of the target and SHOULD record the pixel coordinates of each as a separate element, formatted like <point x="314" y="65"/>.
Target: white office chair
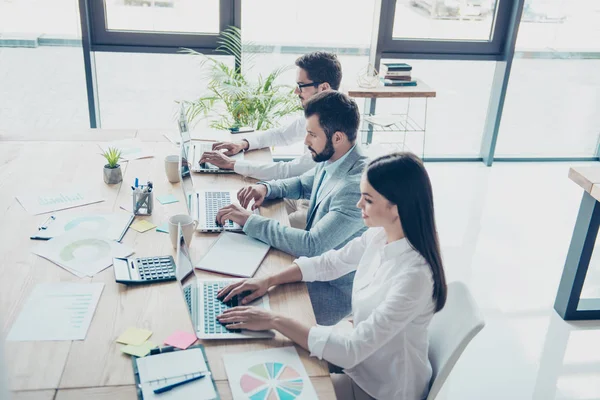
<point x="450" y="331"/>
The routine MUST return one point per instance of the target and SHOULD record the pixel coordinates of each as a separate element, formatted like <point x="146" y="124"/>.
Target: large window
<point x="302" y="23"/>
<point x="455" y="117"/>
<point x="159" y="24"/>
<point x="42" y="80"/>
<point x="163" y="15"/>
<point x="553" y="96"/>
<point x="140" y="90"/>
<point x="446" y="20"/>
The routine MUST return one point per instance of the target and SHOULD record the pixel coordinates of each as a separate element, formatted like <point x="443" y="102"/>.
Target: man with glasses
<point x="317" y="72"/>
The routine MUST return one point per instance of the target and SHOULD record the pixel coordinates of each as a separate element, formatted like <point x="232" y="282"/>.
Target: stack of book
<point x="397" y="74"/>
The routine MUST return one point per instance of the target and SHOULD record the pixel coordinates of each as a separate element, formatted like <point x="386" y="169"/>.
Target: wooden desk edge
<point x="585" y="177"/>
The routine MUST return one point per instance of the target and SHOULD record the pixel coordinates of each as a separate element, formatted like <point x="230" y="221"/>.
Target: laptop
<point x="203" y="206"/>
<point x="203" y="306"/>
<point x="195" y="150"/>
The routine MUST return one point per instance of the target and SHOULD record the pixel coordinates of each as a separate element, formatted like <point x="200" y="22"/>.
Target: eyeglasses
<point x="303" y="85"/>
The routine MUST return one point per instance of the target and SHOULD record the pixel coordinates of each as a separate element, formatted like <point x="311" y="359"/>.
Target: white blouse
<point x="386" y="352"/>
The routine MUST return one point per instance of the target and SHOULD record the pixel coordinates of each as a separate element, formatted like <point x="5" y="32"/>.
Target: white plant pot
<point x="112" y="175"/>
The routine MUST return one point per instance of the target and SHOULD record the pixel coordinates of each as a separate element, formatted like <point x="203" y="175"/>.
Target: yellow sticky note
<point x="139" y="351"/>
<point x="134" y="336"/>
<point x="142" y="226"/>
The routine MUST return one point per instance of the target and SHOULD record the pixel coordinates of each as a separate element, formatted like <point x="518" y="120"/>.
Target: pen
<point x="39" y="238"/>
<point x="136" y="182"/>
<point x="174" y="385"/>
<point x="45" y="224"/>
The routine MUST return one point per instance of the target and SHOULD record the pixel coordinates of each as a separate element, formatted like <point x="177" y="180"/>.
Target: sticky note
<point x="180" y="339"/>
<point x="142" y="225"/>
<point x="164" y="228"/>
<point x="134" y="336"/>
<point x="139" y="351"/>
<point x="167" y="199"/>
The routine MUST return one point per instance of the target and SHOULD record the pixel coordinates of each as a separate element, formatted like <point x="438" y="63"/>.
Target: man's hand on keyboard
<point x="252" y="192"/>
<point x="235" y="213"/>
<point x="231" y="148"/>
<point x="218" y="159"/>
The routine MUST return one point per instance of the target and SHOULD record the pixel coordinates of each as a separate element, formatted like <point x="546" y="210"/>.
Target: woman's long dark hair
<point x="402" y="179"/>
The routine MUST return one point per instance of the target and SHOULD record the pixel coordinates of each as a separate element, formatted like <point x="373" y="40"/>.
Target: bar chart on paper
<point x="57" y="311"/>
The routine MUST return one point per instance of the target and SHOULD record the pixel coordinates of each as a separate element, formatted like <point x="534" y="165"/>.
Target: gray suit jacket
<point x="333" y="219"/>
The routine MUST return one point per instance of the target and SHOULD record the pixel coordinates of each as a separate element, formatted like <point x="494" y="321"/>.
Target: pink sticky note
<point x="180" y="339"/>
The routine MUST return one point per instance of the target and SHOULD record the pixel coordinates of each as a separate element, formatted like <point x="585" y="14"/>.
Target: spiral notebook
<point x="169" y="365"/>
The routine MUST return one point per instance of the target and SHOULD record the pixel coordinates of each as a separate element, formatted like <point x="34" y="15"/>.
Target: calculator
<point x="144" y="269"/>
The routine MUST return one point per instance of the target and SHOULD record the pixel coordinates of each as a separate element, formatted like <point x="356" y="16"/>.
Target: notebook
<point x="249" y="254"/>
<point x="169" y="365"/>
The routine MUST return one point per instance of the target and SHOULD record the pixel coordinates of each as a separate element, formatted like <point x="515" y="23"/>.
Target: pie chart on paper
<point x="272" y="381"/>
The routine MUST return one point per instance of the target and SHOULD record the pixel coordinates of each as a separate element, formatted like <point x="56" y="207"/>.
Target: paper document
<point x="82" y="253"/>
<point x="60" y="200"/>
<point x="268" y="374"/>
<point x="109" y="225"/>
<point x="168" y="368"/>
<point x="57" y="311"/>
<point x="131" y="149"/>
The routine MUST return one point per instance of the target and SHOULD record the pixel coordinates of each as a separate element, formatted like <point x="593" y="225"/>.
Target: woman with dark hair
<point x="399" y="285"/>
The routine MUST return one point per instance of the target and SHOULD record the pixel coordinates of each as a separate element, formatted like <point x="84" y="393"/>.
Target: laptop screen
<point x="184" y="266"/>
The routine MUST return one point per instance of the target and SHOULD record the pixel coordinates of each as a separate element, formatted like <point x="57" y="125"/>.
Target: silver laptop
<point x="204" y="205"/>
<point x="194" y="151"/>
<point x="203" y="306"/>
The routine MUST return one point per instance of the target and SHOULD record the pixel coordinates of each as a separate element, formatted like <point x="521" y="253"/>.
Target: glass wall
<point x="447" y="20"/>
<point x="42" y="77"/>
<point x="553" y="95"/>
<point x="163" y="15"/>
<point x="140" y="90"/>
<point x="455" y="117"/>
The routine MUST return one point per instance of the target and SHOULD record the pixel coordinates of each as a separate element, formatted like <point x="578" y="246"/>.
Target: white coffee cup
<point x="172" y="168"/>
<point x="188" y="226"/>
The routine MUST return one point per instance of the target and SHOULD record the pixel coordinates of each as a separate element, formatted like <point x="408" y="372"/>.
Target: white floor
<point x="505" y="231"/>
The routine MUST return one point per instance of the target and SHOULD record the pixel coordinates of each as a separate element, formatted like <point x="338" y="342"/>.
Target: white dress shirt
<point x="386" y="353"/>
<point x="280" y="136"/>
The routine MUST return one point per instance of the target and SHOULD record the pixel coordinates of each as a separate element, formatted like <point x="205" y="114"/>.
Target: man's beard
<point x="326" y="154"/>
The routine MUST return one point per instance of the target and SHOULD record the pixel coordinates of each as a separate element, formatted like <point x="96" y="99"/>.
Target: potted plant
<point x="112" y="170"/>
<point x="232" y="100"/>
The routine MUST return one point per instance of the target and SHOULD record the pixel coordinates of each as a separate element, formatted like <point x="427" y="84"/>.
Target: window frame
<point x="103" y="39"/>
<point x="493" y="49"/>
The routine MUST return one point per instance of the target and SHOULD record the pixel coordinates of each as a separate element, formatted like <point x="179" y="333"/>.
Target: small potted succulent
<point x="112" y="170"/>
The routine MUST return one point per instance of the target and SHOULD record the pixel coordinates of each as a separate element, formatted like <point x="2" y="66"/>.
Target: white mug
<point x="188" y="226"/>
<point x="172" y="168"/>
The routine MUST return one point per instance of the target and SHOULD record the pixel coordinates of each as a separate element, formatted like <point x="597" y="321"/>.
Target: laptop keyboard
<point x="214" y="202"/>
<point x="214" y="307"/>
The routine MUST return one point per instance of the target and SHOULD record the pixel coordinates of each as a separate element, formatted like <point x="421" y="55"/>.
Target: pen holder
<point x="143" y="203"/>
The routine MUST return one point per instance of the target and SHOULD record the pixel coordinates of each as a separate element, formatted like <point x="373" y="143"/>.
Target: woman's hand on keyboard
<point x="251" y="318"/>
<point x="254" y="287"/>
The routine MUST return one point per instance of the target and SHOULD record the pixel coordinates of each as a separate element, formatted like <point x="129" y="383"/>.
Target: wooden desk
<point x="95" y="368"/>
<point x="568" y="303"/>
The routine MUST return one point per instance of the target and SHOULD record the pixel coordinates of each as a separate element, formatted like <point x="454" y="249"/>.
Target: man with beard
<point x="332" y="187"/>
<point x="317" y="71"/>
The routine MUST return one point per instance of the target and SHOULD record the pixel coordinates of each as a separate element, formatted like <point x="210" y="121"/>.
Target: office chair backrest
<point x="450" y="332"/>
